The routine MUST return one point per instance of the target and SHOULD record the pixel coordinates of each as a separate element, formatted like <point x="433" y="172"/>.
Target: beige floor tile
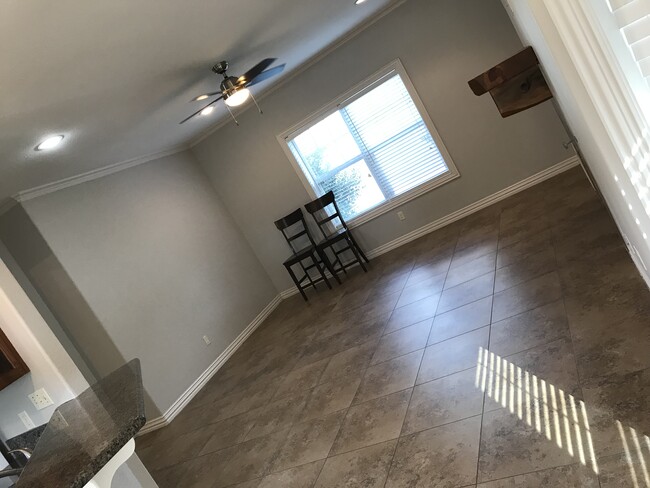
<point x="470" y="270"/>
<point x="529" y="329"/>
<point x="372" y="422"/>
<point x="452" y="355"/>
<point x="301" y="379"/>
<point x="308" y="441"/>
<point x="533" y="266"/>
<point x="526" y="296"/>
<point x="230" y="431"/>
<point x="442" y="401"/>
<point x="243" y="462"/>
<point x="444" y="456"/>
<point x="618" y="410"/>
<point x="575" y="476"/>
<point x="390" y="376"/>
<point x="420" y="290"/>
<point x="511" y="446"/>
<point x="413" y="313"/>
<point x="468" y="292"/>
<point x="299" y="477"/>
<point x="461" y="320"/>
<point x="278" y="415"/>
<point x="545" y="367"/>
<point x="623" y="471"/>
<point x="363" y="468"/>
<point x="348" y="362"/>
<point x="402" y="341"/>
<point x="331" y="397"/>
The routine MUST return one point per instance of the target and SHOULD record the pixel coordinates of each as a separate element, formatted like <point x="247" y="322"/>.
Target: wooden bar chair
<point x="325" y="219"/>
<point x="304" y="248"/>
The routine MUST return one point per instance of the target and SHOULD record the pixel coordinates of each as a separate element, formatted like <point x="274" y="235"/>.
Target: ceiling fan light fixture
<point x="207" y="110"/>
<point x="237" y="97"/>
<point x="50" y="143"/>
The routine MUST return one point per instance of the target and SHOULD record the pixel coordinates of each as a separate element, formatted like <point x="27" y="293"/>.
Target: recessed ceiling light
<point x="207" y="110"/>
<point x="359" y="2"/>
<point x="49" y="143"/>
<point x="201" y="97"/>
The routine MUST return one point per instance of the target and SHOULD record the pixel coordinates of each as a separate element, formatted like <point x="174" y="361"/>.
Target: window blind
<point x="401" y="150"/>
<point x="633" y="19"/>
<point x="373" y="148"/>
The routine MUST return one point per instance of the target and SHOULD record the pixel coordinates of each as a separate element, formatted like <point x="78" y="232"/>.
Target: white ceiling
<point x="116" y="76"/>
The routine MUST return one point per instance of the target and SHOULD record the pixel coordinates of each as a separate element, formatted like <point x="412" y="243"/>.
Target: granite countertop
<point x="26" y="440"/>
<point x="85" y="433"/>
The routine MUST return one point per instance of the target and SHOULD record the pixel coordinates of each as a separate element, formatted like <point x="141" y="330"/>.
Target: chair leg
<point x="354" y="250"/>
<point x="311" y="282"/>
<point x="315" y="258"/>
<point x="297" y="283"/>
<point x="323" y="255"/>
<point x="358" y="248"/>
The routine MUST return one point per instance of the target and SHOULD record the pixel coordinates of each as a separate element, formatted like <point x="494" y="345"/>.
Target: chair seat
<point x="299" y="255"/>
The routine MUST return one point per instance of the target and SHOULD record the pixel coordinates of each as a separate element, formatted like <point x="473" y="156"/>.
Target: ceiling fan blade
<point x="200" y="110"/>
<point x="255" y="71"/>
<point x="265" y="75"/>
<point x="205" y="95"/>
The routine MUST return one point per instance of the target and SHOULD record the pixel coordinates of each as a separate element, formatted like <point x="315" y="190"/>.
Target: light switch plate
<point x="26" y="420"/>
<point x="41" y="399"/>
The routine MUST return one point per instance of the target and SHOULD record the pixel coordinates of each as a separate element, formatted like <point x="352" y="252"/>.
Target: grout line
<point x="492" y="480"/>
<point x="480" y="432"/>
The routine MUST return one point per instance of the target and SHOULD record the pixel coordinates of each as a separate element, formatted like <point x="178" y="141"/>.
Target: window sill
<point x="389" y="205"/>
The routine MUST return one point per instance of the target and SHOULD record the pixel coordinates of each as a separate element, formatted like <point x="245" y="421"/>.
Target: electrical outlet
<point x="58" y="421"/>
<point x="207" y="340"/>
<point x="400" y="215"/>
<point x="26" y="420"/>
<point x="41" y="399"/>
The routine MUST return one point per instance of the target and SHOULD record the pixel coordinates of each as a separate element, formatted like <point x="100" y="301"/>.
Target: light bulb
<point x="49" y="143"/>
<point x="238" y="97"/>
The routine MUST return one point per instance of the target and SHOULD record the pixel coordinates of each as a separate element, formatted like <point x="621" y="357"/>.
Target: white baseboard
<point x="200" y="382"/>
<point x="191" y="392"/>
<point x="524" y="184"/>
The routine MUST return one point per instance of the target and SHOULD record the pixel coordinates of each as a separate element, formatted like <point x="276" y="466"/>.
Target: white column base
<point x="104" y="477"/>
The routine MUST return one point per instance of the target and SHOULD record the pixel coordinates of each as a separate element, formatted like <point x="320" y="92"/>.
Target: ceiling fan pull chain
<point x="256" y="104"/>
<point x="232" y="115"/>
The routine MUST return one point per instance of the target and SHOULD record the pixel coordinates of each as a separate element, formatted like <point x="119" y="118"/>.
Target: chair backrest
<point x="300" y="230"/>
<point x="318" y="210"/>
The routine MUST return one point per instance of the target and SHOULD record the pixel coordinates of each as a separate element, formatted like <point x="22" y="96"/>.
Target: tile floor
<point x="509" y="349"/>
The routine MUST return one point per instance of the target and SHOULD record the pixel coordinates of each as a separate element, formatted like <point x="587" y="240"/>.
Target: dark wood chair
<point x="302" y="245"/>
<point x="325" y="217"/>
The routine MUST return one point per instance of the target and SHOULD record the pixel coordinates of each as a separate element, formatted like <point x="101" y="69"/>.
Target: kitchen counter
<point x="85" y="433"/>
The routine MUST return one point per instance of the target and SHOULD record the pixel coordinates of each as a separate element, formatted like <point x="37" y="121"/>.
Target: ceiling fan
<point x="234" y="91"/>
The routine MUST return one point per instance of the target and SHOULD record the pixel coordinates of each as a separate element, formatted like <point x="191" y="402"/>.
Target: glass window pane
<point x="374" y="148"/>
<point x="326" y="145"/>
<point x="355" y="189"/>
<point x="383" y="112"/>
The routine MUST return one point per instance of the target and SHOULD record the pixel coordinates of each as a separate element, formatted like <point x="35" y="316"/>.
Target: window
<point x="375" y="147"/>
<point x="633" y="19"/>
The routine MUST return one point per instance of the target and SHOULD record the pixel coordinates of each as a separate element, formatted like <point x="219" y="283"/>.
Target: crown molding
<point x="304" y="67"/>
<point x="94" y="174"/>
<point x="7" y="204"/>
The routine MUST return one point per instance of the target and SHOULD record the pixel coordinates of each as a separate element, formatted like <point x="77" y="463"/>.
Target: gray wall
<point x="149" y="261"/>
<point x="442" y="44"/>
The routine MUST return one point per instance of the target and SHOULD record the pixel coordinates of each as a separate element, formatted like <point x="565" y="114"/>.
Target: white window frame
<point x="357" y="91"/>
